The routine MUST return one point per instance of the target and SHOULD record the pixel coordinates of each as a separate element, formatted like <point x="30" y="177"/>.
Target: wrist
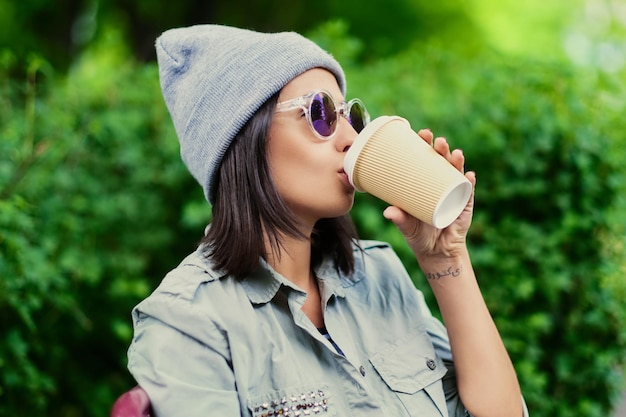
<point x="460" y="255"/>
<point x="437" y="267"/>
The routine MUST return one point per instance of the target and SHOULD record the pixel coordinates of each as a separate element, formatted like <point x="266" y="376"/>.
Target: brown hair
<point x="247" y="204"/>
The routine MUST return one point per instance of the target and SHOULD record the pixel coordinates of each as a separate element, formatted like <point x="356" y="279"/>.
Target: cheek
<point x="292" y="173"/>
<point x="281" y="159"/>
<point x="290" y="159"/>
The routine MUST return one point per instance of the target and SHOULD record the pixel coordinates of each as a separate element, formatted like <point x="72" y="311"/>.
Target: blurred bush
<point x="95" y="206"/>
<point x="92" y="203"/>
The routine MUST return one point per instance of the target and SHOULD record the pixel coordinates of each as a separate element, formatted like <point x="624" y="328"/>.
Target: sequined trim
<point x="298" y="404"/>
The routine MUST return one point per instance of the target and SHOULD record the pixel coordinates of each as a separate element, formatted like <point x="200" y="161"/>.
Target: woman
<point x="281" y="310"/>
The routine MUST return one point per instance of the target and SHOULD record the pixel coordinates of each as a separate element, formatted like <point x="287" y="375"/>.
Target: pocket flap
<point x="409" y="364"/>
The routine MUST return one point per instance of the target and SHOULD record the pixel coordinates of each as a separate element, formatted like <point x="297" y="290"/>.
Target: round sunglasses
<point x="322" y="113"/>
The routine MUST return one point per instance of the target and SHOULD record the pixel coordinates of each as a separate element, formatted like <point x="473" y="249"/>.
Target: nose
<point x="345" y="135"/>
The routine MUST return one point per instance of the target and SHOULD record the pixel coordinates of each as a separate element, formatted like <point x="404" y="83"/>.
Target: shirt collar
<point x="331" y="278"/>
<point x="263" y="284"/>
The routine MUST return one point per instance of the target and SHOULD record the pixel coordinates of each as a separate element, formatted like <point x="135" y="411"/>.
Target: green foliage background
<point x="95" y="205"/>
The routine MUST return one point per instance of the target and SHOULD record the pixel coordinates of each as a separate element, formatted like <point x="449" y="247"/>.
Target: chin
<point x="346" y="206"/>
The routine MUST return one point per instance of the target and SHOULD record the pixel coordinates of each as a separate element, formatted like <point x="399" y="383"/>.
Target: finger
<point x="471" y="176"/>
<point x="427" y="135"/>
<point x="442" y="147"/>
<point x="457" y="159"/>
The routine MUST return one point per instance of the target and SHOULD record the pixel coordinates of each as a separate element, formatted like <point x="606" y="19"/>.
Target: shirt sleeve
<point x="181" y="375"/>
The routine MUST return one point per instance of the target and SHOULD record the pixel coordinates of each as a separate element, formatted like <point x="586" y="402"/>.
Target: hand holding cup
<point x="390" y="161"/>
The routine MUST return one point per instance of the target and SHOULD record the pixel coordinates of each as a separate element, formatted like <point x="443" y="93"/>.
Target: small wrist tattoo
<point x="450" y="272"/>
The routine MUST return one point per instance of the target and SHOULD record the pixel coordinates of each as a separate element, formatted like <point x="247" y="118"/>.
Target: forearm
<point x="486" y="378"/>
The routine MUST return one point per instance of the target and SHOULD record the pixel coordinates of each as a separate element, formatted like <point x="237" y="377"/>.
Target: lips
<point x="345" y="179"/>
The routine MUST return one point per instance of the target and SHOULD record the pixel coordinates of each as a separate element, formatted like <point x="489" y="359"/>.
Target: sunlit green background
<point x="95" y="205"/>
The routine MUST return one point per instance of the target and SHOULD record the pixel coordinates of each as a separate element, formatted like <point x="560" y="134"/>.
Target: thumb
<point x="405" y="223"/>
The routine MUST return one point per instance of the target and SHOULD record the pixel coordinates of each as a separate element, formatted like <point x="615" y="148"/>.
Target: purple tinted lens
<point x="323" y="114"/>
<point x="357" y="116"/>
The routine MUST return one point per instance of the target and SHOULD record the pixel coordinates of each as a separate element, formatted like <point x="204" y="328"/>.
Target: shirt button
<point x="431" y="364"/>
<point x="362" y="370"/>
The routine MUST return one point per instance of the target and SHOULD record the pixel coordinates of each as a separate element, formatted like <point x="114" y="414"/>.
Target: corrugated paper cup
<point x="390" y="161"/>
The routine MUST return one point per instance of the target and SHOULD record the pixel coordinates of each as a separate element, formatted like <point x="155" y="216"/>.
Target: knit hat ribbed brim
<point x="214" y="78"/>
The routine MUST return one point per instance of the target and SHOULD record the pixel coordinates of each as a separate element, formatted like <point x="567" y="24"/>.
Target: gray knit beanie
<point x="214" y="78"/>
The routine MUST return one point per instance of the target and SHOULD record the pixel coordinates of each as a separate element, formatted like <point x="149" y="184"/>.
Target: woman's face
<point x="308" y="172"/>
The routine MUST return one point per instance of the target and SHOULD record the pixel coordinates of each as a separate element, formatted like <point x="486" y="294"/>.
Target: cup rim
<point x="352" y="154"/>
<point x="456" y="197"/>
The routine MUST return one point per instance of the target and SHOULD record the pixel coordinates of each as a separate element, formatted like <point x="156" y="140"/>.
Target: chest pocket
<point x="410" y="368"/>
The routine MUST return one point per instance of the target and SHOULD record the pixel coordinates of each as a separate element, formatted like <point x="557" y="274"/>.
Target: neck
<point x="294" y="263"/>
<point x="294" y="260"/>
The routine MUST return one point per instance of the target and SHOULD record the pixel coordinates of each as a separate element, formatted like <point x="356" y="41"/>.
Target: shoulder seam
<point x="372" y="244"/>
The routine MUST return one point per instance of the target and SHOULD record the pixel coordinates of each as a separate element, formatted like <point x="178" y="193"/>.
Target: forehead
<point x="313" y="79"/>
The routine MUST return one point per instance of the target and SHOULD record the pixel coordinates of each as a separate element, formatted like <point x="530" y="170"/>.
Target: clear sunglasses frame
<point x="304" y="103"/>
